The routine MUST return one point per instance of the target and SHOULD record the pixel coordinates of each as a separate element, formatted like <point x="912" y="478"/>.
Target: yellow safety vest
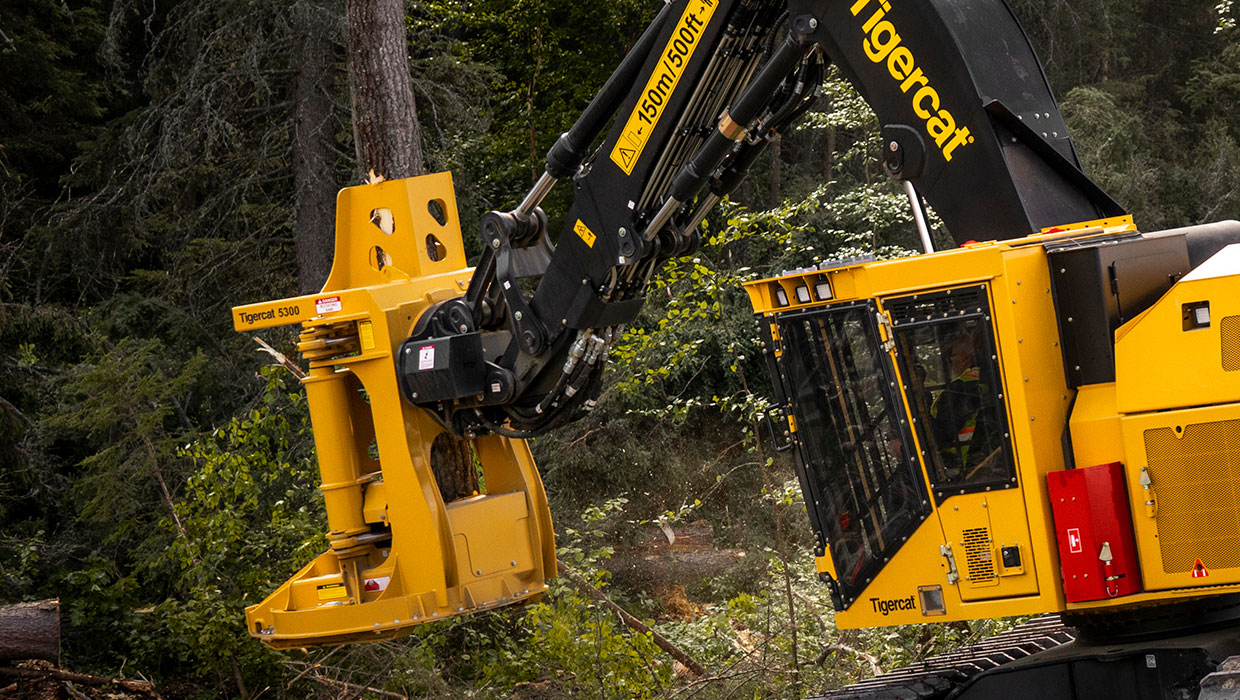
<point x="964" y="435"/>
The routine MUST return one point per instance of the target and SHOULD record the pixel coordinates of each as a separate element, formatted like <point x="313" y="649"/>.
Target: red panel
<point x="1091" y="509"/>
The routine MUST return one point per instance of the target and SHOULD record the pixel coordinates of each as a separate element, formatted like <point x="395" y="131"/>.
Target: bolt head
<point x="517" y="315"/>
<point x="495" y="243"/>
<point x="893" y="146"/>
<point x="813" y="22"/>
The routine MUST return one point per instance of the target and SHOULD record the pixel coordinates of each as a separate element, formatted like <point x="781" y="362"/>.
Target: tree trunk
<point x="31" y="631"/>
<point x="385" y="123"/>
<point x="452" y="464"/>
<point x="313" y="137"/>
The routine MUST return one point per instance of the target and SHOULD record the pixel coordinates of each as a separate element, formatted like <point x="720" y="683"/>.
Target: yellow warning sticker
<point x="332" y="591"/>
<point x="584" y="231"/>
<point x="366" y="331"/>
<point x="662" y="83"/>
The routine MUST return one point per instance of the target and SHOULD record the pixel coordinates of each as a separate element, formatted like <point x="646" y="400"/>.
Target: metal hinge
<point x="885" y="332"/>
<point x="952" y="574"/>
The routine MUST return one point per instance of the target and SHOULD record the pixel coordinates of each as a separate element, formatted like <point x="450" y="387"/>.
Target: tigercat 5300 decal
<point x="882" y="43"/>
<point x="662" y="83"/>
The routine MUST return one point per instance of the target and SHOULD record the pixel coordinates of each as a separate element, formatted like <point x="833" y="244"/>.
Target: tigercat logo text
<point x="882" y="43"/>
<point x="891" y="604"/>
<point x="662" y="83"/>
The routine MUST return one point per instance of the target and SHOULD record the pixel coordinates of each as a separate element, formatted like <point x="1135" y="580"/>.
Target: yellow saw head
<point x="422" y="525"/>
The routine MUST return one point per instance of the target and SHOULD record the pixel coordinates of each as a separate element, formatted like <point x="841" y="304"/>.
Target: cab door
<point x="864" y="490"/>
<point x="949" y="373"/>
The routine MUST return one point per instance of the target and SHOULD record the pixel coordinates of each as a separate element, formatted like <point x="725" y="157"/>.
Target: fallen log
<point x="581" y="584"/>
<point x="30" y="631"/>
<point x="40" y="674"/>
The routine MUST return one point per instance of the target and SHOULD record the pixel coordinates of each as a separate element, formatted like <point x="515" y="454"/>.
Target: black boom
<point x="964" y="105"/>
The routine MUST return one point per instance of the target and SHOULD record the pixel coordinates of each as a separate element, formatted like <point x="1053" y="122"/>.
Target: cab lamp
<point x="822" y="290"/>
<point x="802" y="293"/>
<point x="781" y="297"/>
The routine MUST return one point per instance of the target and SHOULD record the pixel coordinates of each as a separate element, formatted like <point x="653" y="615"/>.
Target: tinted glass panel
<point x="856" y="466"/>
<point x="952" y="381"/>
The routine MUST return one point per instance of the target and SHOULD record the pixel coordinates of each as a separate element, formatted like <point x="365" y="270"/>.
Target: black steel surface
<point x="1101" y="284"/>
<point x="998" y="182"/>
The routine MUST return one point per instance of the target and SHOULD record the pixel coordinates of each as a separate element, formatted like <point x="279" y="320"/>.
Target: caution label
<point x="662" y="83"/>
<point x="584" y="233"/>
<point x="327" y="305"/>
<point x="332" y="591"/>
<point x="1200" y="570"/>
<point x="366" y="332"/>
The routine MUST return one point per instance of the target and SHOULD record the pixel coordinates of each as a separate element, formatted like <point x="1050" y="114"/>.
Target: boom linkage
<point x="691" y="107"/>
<point x="545" y="350"/>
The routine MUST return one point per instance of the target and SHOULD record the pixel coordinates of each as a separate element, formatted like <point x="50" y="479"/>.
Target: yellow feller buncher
<point x="1043" y="422"/>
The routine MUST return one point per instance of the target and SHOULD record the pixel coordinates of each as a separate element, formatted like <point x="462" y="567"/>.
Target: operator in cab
<point x="962" y="435"/>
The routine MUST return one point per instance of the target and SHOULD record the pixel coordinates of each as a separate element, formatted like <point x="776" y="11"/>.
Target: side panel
<point x="1168" y="359"/>
<point x="979" y="528"/>
<point x="1192" y="458"/>
<point x="1179" y="390"/>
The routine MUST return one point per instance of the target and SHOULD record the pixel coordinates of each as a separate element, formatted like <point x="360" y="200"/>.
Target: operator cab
<point x="877" y="394"/>
<point x="983" y="431"/>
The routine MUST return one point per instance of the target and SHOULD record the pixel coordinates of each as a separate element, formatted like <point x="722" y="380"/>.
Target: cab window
<point x="950" y="373"/>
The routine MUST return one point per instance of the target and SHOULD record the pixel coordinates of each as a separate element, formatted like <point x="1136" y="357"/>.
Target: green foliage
<point x="545" y="66"/>
<point x="247" y="519"/>
<point x="126" y="411"/>
<point x="1226" y="16"/>
<point x="145" y="187"/>
<point x="594" y="651"/>
<point x="574" y="639"/>
<point x="51" y="87"/>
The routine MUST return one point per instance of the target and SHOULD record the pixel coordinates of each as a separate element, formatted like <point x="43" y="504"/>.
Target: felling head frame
<point x="422" y="525"/>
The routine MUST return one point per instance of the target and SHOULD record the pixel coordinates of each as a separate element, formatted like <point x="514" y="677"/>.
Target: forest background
<point x="162" y="161"/>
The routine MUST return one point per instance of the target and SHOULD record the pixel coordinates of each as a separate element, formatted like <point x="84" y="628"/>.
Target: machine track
<point x="1223" y="684"/>
<point x="936" y="677"/>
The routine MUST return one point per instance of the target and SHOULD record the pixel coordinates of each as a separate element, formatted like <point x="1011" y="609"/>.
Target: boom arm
<point x="965" y="108"/>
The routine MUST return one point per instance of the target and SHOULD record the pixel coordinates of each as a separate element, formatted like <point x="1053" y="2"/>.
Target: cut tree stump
<point x="30" y="631"/>
<point x="666" y="557"/>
